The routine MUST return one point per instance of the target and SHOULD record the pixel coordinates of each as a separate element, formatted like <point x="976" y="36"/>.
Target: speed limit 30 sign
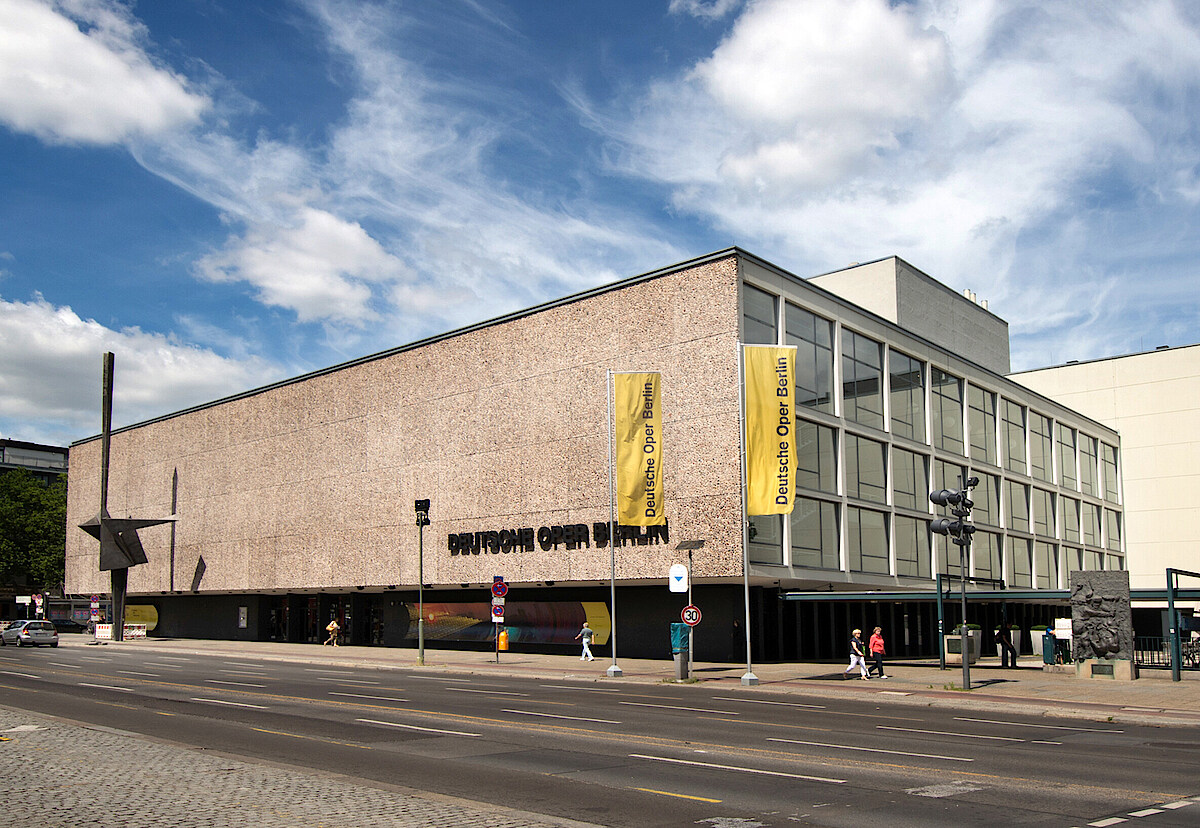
<point x="690" y="615"/>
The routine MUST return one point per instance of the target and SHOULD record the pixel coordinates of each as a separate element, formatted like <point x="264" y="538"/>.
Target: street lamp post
<point x="422" y="507"/>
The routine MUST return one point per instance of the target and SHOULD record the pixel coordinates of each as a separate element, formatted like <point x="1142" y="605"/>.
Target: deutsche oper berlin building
<point x="295" y="501"/>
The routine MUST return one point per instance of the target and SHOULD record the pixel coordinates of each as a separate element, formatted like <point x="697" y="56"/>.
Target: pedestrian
<point x="586" y="635"/>
<point x="332" y="628"/>
<point x="857" y="656"/>
<point x="875" y="645"/>
<point x="1008" y="651"/>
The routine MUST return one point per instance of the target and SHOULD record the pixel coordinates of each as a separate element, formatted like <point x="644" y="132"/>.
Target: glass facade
<point x="862" y="379"/>
<point x="906" y="383"/>
<point x="813" y="337"/>
<point x="1047" y="497"/>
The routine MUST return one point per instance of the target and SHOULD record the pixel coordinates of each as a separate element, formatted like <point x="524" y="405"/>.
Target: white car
<point x="31" y="633"/>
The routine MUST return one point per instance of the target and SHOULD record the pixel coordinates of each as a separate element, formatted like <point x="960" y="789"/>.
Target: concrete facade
<point x="1153" y="400"/>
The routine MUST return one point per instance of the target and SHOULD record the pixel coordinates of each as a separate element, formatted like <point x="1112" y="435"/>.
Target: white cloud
<point x="155" y="374"/>
<point x="962" y="136"/>
<point x="707" y="9"/>
<point x="322" y="267"/>
<point x="95" y="85"/>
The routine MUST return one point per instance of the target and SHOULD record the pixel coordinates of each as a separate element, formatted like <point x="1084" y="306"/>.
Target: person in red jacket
<point x="875" y="645"/>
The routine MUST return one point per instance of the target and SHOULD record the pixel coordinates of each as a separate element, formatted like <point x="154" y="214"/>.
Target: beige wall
<point x="311" y="484"/>
<point x="1153" y="400"/>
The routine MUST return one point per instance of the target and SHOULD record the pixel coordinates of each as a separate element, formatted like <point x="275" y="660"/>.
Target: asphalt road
<point x="630" y="755"/>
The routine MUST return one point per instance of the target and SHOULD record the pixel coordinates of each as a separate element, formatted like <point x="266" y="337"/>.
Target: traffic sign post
<point x="690" y="615"/>
<point x="499" y="590"/>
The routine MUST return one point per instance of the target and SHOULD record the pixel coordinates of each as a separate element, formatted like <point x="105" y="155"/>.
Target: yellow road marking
<point x="681" y="796"/>
<point x="310" y="738"/>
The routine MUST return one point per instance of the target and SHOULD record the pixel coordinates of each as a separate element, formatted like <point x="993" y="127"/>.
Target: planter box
<point x="953" y="645"/>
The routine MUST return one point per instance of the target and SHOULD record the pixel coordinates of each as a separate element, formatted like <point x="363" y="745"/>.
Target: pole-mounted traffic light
<point x="959" y="529"/>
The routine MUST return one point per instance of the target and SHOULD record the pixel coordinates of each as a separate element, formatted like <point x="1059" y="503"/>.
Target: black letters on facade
<point x="571" y="536"/>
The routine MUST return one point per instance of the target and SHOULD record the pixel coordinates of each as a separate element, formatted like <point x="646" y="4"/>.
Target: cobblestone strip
<point x="59" y="775"/>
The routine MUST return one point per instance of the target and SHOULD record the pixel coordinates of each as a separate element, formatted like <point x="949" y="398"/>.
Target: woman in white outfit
<point x="857" y="655"/>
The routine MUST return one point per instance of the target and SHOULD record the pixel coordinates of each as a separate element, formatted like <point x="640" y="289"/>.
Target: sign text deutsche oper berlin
<point x="571" y="536"/>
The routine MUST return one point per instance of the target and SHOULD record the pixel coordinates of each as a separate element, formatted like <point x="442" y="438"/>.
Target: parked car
<point x="31" y="633"/>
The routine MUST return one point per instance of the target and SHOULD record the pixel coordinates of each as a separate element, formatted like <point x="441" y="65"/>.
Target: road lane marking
<point x="559" y="716"/>
<point x="484" y="692"/>
<point x="416" y="727"/>
<point x="331" y="672"/>
<point x="233" y="683"/>
<point x="105" y="687"/>
<point x="62" y="664"/>
<point x="364" y="696"/>
<point x="714" y="766"/>
<point x="763" y="701"/>
<point x="348" y="681"/>
<point x="949" y="733"/>
<point x="1030" y="724"/>
<point x="1043" y="742"/>
<point x="945" y="790"/>
<point x="439" y="678"/>
<point x="311" y="738"/>
<point x="585" y="689"/>
<point x="240" y="664"/>
<point x="136" y="673"/>
<point x="89" y="658"/>
<point x="1173" y="805"/>
<point x="1146" y="812"/>
<point x="231" y="704"/>
<point x="678" y="707"/>
<point x="1105" y="823"/>
<point x="872" y="750"/>
<point x="15" y="673"/>
<point x="679" y="795"/>
<point x="748" y="722"/>
<point x="173" y="658"/>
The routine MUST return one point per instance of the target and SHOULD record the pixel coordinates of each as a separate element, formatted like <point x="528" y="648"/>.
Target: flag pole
<point x="748" y="679"/>
<point x="613" y="671"/>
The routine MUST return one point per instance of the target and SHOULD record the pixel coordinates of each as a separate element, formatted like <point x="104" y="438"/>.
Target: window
<point x="866" y="475"/>
<point x="758" y="317"/>
<point x="866" y="541"/>
<point x="1093" y="561"/>
<point x="813" y="338"/>
<point x="1112" y="530"/>
<point x="1014" y="437"/>
<point x="766" y="539"/>
<point x="1088" y="474"/>
<point x="1066" y="458"/>
<point x="982" y="421"/>
<point x="1043" y="513"/>
<point x="985" y="550"/>
<point x="1091" y="524"/>
<point x="910" y="480"/>
<point x="1016" y="506"/>
<point x="1045" y="562"/>
<point x="1041" y="448"/>
<point x="907" y="377"/>
<point x="1108" y="459"/>
<point x="1114" y="563"/>
<point x="950" y="556"/>
<point x="862" y="379"/>
<point x="1070" y="516"/>
<point x="912" y="547"/>
<point x="816" y="457"/>
<point x="947" y="475"/>
<point x="947" y="401"/>
<point x="1020" y="568"/>
<point x="987" y="499"/>
<point x="815" y="534"/>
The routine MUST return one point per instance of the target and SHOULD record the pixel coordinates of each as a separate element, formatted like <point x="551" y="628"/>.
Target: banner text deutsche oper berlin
<point x="637" y="412"/>
<point x="770" y="429"/>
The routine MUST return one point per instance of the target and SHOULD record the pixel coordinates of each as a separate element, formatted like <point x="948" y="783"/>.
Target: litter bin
<point x="1049" y="647"/>
<point x="681" y="636"/>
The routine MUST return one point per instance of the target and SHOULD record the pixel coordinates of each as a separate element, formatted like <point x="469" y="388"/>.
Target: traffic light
<point x="422" y="508"/>
<point x="959" y="527"/>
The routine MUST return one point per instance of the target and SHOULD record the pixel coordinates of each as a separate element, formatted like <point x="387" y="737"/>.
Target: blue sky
<point x="230" y="192"/>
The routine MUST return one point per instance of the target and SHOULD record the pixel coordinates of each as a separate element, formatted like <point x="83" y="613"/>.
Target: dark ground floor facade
<point x="546" y="620"/>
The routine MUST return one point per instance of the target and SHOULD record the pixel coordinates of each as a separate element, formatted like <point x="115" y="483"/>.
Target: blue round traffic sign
<point x="499" y="589"/>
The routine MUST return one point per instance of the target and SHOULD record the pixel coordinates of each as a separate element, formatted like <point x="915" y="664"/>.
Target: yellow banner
<point x="770" y="430"/>
<point x="637" y="412"/>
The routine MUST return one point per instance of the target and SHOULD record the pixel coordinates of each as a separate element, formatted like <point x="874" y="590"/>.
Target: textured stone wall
<point x="311" y="484"/>
<point x="1101" y="619"/>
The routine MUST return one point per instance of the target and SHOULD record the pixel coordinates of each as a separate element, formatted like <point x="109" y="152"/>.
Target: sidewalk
<point x="1152" y="699"/>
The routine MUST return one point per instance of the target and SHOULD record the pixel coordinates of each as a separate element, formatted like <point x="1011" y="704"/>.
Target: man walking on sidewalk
<point x="586" y="634"/>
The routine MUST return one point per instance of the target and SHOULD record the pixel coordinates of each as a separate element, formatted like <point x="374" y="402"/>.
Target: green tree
<point x="33" y="530"/>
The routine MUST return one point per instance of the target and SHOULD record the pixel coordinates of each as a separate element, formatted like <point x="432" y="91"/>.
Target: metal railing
<point x="1155" y="651"/>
